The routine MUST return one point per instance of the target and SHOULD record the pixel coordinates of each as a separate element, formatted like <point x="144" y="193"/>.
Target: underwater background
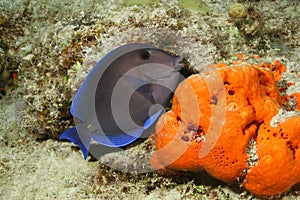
<point x="47" y="48"/>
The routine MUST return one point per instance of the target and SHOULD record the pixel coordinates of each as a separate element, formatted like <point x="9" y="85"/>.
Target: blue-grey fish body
<point x="123" y="96"/>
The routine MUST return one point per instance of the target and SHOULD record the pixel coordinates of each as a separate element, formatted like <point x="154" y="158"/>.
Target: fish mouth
<point x="177" y="63"/>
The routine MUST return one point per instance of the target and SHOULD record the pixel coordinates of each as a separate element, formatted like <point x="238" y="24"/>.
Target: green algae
<point x="197" y="5"/>
<point x="139" y="2"/>
<point x="237" y="10"/>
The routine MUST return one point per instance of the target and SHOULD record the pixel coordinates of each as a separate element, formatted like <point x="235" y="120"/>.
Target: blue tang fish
<point x="123" y="96"/>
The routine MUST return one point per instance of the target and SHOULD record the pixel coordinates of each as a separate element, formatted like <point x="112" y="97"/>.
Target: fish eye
<point x="145" y="55"/>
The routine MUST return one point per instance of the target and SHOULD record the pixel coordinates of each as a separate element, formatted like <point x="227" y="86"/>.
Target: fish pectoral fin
<point x="73" y="136"/>
<point x="142" y="87"/>
<point x="135" y="81"/>
<point x="157" y="72"/>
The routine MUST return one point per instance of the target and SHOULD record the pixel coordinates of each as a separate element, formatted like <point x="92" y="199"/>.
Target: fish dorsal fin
<point x="87" y="91"/>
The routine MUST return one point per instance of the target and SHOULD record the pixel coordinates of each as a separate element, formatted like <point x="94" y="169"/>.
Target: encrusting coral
<point x="187" y="139"/>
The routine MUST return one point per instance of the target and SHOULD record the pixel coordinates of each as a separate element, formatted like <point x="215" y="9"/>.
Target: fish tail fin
<point x="73" y="136"/>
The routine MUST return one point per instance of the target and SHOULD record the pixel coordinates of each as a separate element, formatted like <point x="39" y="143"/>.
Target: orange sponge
<point x="215" y="115"/>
